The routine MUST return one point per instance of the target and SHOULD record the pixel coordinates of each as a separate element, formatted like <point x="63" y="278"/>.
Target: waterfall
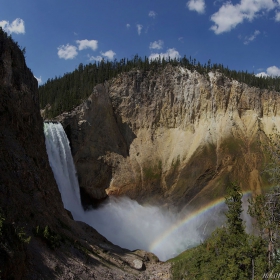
<point x="61" y="162"/>
<point x="122" y="220"/>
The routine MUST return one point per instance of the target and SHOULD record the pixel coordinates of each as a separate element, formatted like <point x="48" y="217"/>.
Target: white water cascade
<point x="122" y="220"/>
<point x="61" y="162"/>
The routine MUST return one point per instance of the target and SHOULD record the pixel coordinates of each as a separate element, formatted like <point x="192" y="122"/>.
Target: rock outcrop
<point x="173" y="136"/>
<point x="38" y="238"/>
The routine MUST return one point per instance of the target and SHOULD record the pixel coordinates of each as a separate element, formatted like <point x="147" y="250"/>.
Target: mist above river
<point x="125" y="222"/>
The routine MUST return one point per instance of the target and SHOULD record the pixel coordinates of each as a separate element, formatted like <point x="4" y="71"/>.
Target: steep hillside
<point x="173" y="136"/>
<point x="38" y="237"/>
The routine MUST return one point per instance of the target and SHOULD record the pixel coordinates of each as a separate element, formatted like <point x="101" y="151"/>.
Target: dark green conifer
<point x="234" y="203"/>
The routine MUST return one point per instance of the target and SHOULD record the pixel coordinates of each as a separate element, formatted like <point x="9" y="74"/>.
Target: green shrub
<point x="22" y="235"/>
<point x="52" y="239"/>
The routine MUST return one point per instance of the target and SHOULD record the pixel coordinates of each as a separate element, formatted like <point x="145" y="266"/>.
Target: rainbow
<point x="187" y="219"/>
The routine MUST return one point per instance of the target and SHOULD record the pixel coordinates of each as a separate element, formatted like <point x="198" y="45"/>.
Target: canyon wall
<point x="38" y="237"/>
<point x="172" y="137"/>
<point x="28" y="190"/>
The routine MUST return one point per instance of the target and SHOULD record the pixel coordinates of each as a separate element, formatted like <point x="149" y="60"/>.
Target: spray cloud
<point x="125" y="222"/>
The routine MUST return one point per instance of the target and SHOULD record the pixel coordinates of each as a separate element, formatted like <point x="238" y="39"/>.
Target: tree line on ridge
<point x="66" y="92"/>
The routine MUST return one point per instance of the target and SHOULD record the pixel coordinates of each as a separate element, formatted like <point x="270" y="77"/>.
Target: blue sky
<point x="59" y="35"/>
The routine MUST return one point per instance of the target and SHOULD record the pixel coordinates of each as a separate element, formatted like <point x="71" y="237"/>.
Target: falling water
<point x="122" y="220"/>
<point x="63" y="167"/>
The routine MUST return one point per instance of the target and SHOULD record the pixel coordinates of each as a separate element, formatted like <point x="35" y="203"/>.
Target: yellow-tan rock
<point x="172" y="136"/>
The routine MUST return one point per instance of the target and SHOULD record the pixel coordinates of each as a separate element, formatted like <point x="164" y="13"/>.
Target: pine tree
<point x="229" y="253"/>
<point x="234" y="203"/>
<point x="266" y="210"/>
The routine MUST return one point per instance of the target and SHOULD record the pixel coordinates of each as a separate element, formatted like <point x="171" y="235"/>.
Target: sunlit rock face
<point x="171" y="136"/>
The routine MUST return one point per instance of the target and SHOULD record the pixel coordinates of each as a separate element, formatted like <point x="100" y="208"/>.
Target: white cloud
<point x="152" y="14"/>
<point x="277" y="16"/>
<point x="252" y="37"/>
<point x="196" y="5"/>
<point x="67" y="52"/>
<point x="226" y="18"/>
<point x="261" y="74"/>
<point x="4" y="24"/>
<point x="156" y="45"/>
<point x="273" y="71"/>
<point x="127" y="25"/>
<point x="17" y="26"/>
<point x="139" y="28"/>
<point x="84" y="44"/>
<point x="96" y="58"/>
<point x="229" y="15"/>
<point x="172" y="53"/>
<point x="40" y="81"/>
<point x="109" y="54"/>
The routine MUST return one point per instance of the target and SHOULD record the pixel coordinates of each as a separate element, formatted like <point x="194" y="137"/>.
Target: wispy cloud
<point x="17" y="26"/>
<point x="172" y="53"/>
<point x="251" y="38"/>
<point x="67" y="51"/>
<point x="277" y="16"/>
<point x="139" y="28"/>
<point x="156" y="45"/>
<point x="127" y="25"/>
<point x="273" y="71"/>
<point x="109" y="54"/>
<point x="84" y="44"/>
<point x="229" y="15"/>
<point x="197" y="6"/>
<point x="152" y="14"/>
<point x="40" y="81"/>
<point x="181" y="39"/>
<point x="217" y="2"/>
<point x="96" y="58"/>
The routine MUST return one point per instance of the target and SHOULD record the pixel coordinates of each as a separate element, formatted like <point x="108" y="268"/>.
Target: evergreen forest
<point x="233" y="253"/>
<point x="230" y="252"/>
<point x="65" y="93"/>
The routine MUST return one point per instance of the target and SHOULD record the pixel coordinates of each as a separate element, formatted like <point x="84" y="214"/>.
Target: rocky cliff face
<point x="174" y="137"/>
<point x="25" y="172"/>
<point x="38" y="238"/>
